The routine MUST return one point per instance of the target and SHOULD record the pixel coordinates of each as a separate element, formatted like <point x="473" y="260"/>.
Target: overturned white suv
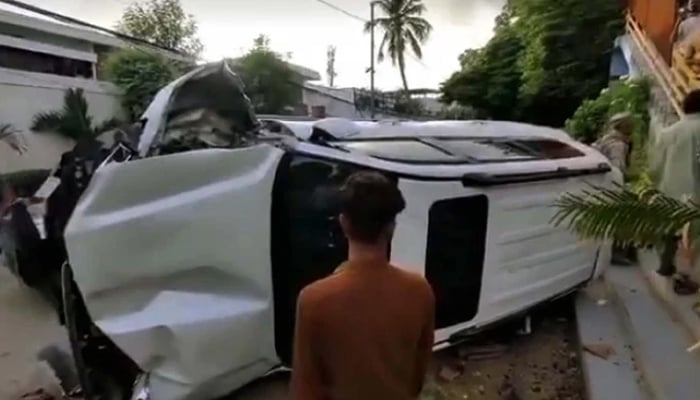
<point x="185" y="265"/>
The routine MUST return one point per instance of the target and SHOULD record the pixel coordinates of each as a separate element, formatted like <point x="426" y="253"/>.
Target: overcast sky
<point x="306" y="28"/>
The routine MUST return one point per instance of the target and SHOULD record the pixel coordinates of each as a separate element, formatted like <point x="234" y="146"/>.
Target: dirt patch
<point x="544" y="365"/>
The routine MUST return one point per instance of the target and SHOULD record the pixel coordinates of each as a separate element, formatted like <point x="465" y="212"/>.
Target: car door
<point x="307" y="242"/>
<point x="172" y="257"/>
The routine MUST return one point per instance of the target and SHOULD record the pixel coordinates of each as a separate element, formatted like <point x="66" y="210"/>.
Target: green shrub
<point x="590" y="120"/>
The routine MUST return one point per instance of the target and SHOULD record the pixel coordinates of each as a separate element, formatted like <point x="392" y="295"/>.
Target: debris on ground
<point x="502" y="365"/>
<point x="600" y="350"/>
<point x="450" y="371"/>
<point x="483" y="352"/>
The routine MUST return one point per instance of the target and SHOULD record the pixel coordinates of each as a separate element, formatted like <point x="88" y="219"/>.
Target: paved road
<point x="27" y="324"/>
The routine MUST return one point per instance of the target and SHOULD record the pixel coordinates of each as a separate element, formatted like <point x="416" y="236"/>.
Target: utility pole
<point x="371" y="68"/>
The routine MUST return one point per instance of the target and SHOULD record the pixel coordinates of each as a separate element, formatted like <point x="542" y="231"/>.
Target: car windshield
<point x="436" y="150"/>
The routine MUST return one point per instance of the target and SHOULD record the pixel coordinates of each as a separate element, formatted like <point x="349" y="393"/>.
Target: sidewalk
<point x="635" y="313"/>
<point x="680" y="307"/>
<point x="27" y="324"/>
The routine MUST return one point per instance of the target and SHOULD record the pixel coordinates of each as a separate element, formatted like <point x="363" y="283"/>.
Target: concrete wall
<point x="339" y="103"/>
<point x="24" y="94"/>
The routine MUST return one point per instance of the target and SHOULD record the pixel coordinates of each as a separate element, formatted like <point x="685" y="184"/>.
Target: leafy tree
<point x="490" y="78"/>
<point x="73" y="120"/>
<point x="140" y="75"/>
<point x="405" y="105"/>
<point x="268" y="80"/>
<point x="546" y="57"/>
<point x="404" y="29"/>
<point x="162" y="22"/>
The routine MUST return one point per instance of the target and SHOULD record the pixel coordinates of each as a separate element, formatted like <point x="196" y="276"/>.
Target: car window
<point x="484" y="151"/>
<point x="401" y="150"/>
<point x="461" y="150"/>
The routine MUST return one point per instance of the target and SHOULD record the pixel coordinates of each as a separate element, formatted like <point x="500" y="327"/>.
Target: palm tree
<point x="642" y="218"/>
<point x="73" y="120"/>
<point x="12" y="137"/>
<point x="404" y="28"/>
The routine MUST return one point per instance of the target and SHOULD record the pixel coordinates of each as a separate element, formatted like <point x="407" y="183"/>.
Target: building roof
<point x="13" y="15"/>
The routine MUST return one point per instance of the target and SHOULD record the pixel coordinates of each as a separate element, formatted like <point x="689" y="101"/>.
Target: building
<point x="40" y="58"/>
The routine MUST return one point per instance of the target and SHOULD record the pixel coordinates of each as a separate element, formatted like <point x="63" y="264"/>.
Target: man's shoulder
<point x="319" y="290"/>
<point x="414" y="281"/>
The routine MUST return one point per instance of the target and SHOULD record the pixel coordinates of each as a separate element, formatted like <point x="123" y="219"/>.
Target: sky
<point x="306" y="28"/>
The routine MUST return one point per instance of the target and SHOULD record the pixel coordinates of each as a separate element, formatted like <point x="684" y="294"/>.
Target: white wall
<point x="24" y="94"/>
<point x="338" y="102"/>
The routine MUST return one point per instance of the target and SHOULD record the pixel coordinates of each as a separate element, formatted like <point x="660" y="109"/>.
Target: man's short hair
<point x="691" y="104"/>
<point x="370" y="201"/>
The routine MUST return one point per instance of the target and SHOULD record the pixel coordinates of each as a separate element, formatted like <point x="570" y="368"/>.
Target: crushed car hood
<point x="207" y="104"/>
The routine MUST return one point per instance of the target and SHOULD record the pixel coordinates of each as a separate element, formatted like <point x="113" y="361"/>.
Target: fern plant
<point x="73" y="119"/>
<point x="643" y="218"/>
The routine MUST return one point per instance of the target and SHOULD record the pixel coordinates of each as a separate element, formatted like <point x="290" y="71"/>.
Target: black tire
<point x="71" y="299"/>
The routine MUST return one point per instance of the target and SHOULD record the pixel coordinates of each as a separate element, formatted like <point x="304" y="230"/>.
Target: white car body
<point x="187" y="262"/>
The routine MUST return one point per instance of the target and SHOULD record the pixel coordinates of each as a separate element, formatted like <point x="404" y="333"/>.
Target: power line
<point x="351" y="15"/>
<point x="341" y="10"/>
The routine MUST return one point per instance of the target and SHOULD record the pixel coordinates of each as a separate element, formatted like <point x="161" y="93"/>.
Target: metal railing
<point x="670" y="80"/>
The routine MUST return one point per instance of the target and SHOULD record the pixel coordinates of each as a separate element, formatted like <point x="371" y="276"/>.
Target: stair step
<point x="601" y="324"/>
<point x="659" y="343"/>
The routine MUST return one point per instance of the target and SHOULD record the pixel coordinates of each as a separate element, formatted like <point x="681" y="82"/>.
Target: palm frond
<point x="13" y="138"/>
<point x="420" y="27"/>
<point x="50" y="121"/>
<point x="75" y="113"/>
<point x="413" y="7"/>
<point x="415" y="44"/>
<point x="7" y="130"/>
<point x="382" y="45"/>
<point x="622" y="215"/>
<point x="108" y="125"/>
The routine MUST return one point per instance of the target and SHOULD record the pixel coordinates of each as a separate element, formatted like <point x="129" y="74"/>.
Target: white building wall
<point x="45" y="37"/>
<point x="25" y="94"/>
<point x="339" y="103"/>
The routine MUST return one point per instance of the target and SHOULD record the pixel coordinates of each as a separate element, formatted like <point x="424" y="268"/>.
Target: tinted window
<point x="454" y="260"/>
<point x="551" y="149"/>
<point x="482" y="151"/>
<point x="436" y="150"/>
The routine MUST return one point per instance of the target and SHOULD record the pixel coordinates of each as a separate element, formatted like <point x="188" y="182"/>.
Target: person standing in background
<point x="675" y="168"/>
<point x="616" y="146"/>
<point x="365" y="332"/>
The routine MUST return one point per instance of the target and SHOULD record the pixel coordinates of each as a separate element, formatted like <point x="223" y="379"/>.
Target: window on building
<point x="26" y="60"/>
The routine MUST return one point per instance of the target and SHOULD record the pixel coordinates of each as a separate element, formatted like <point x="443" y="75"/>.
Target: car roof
<point x="348" y="143"/>
<point x="344" y="129"/>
